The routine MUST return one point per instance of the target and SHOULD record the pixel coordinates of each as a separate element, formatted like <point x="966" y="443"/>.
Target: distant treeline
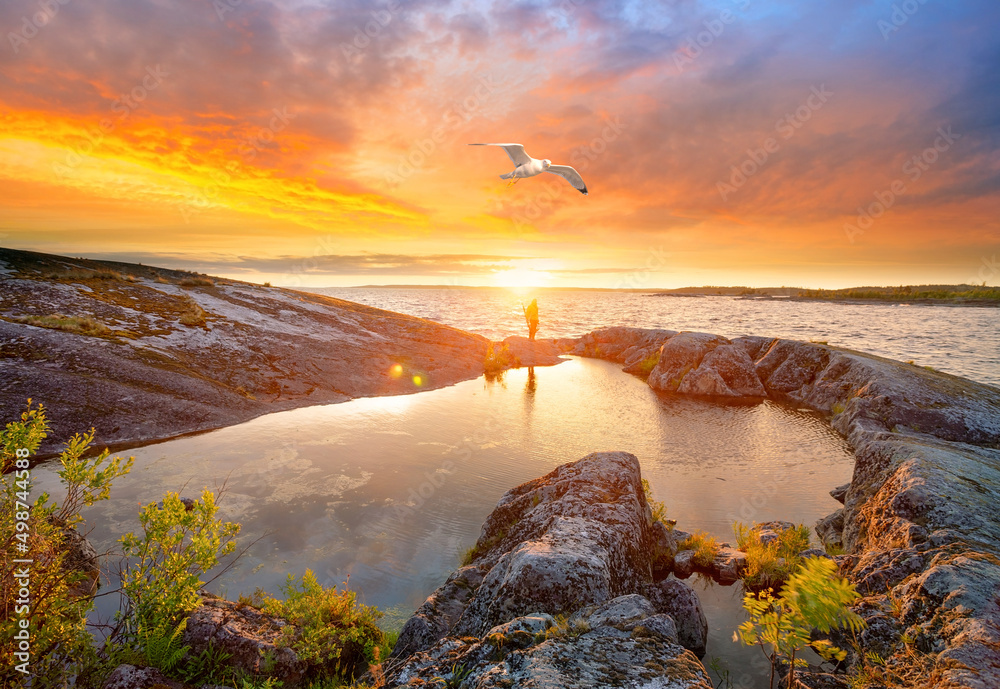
<point x="906" y="293"/>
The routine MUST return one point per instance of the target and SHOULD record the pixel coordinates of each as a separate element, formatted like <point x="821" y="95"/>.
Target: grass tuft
<point x="647" y="365"/>
<point x="770" y="564"/>
<point x="498" y="359"/>
<point x="657" y="507"/>
<point x="705" y="548"/>
<point x="72" y="324"/>
<point x="75" y="275"/>
<point x="193" y="314"/>
<point x="196" y="282"/>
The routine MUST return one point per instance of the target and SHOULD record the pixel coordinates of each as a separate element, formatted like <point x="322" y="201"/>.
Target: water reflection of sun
<point x="521" y="279"/>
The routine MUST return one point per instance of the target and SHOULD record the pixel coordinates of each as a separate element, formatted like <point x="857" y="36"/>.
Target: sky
<point x="729" y="142"/>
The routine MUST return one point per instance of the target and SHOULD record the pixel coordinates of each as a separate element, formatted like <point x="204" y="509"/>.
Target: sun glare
<point x="520" y="278"/>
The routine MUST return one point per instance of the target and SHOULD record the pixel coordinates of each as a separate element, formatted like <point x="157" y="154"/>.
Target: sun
<point x="521" y="278"/>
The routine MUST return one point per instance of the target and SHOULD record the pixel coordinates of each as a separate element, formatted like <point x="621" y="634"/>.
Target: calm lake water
<point x="960" y="340"/>
<point x="389" y="491"/>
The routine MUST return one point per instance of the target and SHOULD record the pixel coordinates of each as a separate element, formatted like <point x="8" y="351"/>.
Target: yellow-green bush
<point x="331" y="628"/>
<point x="770" y="564"/>
<point x="60" y="644"/>
<point x="705" y="548"/>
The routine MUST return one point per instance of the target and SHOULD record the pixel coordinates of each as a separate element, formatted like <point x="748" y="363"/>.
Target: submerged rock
<point x="560" y="593"/>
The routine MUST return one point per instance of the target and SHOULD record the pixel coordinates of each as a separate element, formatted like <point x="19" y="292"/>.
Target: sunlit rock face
<point x="560" y="592"/>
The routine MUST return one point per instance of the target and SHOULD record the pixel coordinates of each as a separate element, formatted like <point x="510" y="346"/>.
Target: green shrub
<point x="498" y="359"/>
<point x="331" y="628"/>
<point x="60" y="600"/>
<point x="705" y="548"/>
<point x="161" y="580"/>
<point x="813" y="599"/>
<point x="84" y="325"/>
<point x="770" y="564"/>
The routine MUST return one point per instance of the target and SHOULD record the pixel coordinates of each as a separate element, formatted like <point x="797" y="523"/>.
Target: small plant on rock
<point x="656" y="506"/>
<point x="330" y="627"/>
<point x="498" y="359"/>
<point x="770" y="564"/>
<point x="813" y="599"/>
<point x="705" y="548"/>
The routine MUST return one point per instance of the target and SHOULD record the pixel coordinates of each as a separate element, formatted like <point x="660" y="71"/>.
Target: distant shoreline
<point x="987" y="303"/>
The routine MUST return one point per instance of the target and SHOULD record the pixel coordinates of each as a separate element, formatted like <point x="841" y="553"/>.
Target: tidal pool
<point x="387" y="492"/>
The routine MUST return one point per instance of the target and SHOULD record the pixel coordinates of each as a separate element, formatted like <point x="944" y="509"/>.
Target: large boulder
<point x="629" y="346"/>
<point x="706" y="365"/>
<point x="680" y="602"/>
<point x="575" y="545"/>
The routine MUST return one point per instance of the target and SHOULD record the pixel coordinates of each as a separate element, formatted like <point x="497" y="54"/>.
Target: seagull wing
<point x="515" y="151"/>
<point x="570" y="175"/>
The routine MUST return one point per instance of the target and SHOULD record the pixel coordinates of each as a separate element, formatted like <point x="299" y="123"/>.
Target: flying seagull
<point x="526" y="166"/>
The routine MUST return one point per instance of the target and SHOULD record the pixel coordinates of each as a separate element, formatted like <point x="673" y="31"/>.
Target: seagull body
<point x="526" y="166"/>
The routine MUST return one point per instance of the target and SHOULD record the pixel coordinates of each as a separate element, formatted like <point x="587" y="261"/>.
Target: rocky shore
<point x="563" y="588"/>
<point x="143" y="354"/>
<point x="919" y="524"/>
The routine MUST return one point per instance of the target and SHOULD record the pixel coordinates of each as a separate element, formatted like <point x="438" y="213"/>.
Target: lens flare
<point x="418" y="380"/>
<point x="396" y="371"/>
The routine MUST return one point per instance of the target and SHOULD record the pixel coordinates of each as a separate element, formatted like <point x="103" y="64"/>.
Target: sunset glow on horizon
<point x="315" y="143"/>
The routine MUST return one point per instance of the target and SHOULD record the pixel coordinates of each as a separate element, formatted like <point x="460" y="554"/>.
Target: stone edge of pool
<point x="919" y="522"/>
